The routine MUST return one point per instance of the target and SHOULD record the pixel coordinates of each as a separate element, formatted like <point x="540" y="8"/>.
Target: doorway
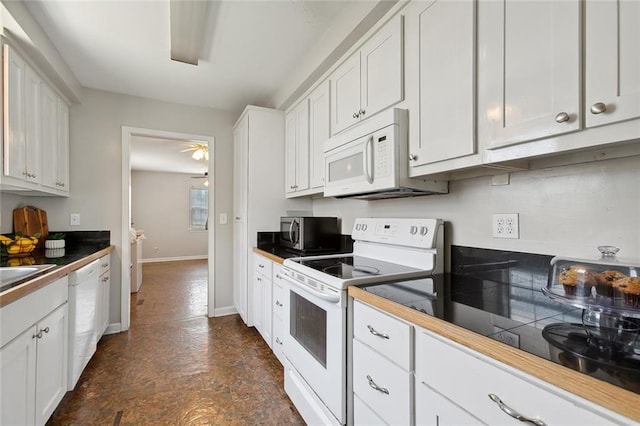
<point x="128" y="135"/>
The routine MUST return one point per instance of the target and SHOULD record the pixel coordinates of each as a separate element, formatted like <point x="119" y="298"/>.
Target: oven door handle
<point x="316" y="293"/>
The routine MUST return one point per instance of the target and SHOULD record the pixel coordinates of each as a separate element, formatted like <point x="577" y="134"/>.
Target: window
<point x="198" y="209"/>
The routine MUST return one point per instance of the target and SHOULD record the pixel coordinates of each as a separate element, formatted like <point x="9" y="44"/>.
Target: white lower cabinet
<point x="104" y="294"/>
<point x="279" y="309"/>
<point x="33" y="355"/>
<point x="382" y="367"/>
<point x="471" y="385"/>
<point x="262" y="289"/>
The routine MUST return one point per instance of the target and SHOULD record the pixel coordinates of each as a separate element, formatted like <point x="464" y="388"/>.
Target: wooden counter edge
<point x="30" y="286"/>
<point x="601" y="393"/>
<point x="268" y="255"/>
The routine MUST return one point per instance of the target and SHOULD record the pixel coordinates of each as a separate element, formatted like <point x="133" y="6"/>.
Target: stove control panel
<point x="411" y="232"/>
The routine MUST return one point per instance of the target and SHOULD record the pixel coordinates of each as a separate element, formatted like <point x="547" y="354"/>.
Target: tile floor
<point x="175" y="366"/>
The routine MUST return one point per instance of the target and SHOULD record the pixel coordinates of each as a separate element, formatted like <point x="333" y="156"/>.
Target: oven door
<point x="315" y="344"/>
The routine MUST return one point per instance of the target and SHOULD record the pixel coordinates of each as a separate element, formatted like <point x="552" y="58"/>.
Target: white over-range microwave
<point x="370" y="161"/>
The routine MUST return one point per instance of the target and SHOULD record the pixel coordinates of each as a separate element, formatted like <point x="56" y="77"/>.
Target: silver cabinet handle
<point x="278" y="341"/>
<point x="39" y="334"/>
<point x="513" y="413"/>
<point x="362" y="112"/>
<point x="598" y="108"/>
<point x="562" y="117"/>
<point x="279" y="304"/>
<point x="412" y="157"/>
<point x="376" y="387"/>
<point x="377" y="333"/>
<point x="356" y="115"/>
<point x="260" y="265"/>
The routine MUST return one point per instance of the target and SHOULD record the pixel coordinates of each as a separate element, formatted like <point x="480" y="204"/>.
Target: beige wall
<point x="160" y="207"/>
<point x="96" y="173"/>
<point x="563" y="211"/>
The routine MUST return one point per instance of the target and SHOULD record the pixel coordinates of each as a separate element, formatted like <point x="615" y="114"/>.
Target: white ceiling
<point x="123" y="46"/>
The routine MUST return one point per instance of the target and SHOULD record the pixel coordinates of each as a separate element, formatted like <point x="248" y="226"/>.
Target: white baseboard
<point x="173" y="259"/>
<point x="227" y="310"/>
<point x="113" y="328"/>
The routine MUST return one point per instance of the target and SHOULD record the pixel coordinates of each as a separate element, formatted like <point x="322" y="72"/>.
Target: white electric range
<point x="384" y="250"/>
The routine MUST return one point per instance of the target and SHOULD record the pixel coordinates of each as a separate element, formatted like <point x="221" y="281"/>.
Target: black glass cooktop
<point x="348" y="267"/>
<point x="497" y="294"/>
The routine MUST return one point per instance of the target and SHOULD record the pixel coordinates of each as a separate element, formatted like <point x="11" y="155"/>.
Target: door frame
<point x="125" y="289"/>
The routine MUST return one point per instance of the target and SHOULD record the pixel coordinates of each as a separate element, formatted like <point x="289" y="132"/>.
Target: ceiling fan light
<point x="206" y="182"/>
<point x="198" y="154"/>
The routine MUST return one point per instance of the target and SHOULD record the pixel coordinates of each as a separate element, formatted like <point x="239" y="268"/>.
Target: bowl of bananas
<point x="18" y="245"/>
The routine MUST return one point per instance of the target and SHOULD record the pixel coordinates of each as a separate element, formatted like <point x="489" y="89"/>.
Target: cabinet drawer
<point x="280" y="298"/>
<point x="262" y="265"/>
<point x="468" y="378"/>
<point x="435" y="410"/>
<point x="393" y="399"/>
<point x="105" y="263"/>
<point x="279" y="332"/>
<point x="390" y="336"/>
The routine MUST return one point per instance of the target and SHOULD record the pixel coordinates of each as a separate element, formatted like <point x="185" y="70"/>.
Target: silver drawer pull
<point x="279" y="304"/>
<point x="377" y="333"/>
<point x="278" y="341"/>
<point x="376" y="387"/>
<point x="513" y="413"/>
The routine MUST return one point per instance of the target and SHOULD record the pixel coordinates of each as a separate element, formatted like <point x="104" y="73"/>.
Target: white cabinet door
<point x="51" y="362"/>
<point x="262" y="292"/>
<point x="345" y="94"/>
<point x="444" y="106"/>
<point x="33" y="119"/>
<point x="279" y="310"/>
<point x="15" y="154"/>
<point x="18" y="381"/>
<point x="104" y="293"/>
<point x="529" y="70"/>
<point x="49" y="138"/>
<point x="240" y="155"/>
<point x="319" y="132"/>
<point x="297" y="148"/>
<point x="62" y="153"/>
<point x="381" y="65"/>
<point x="259" y="284"/>
<point x="612" y="61"/>
<point x="432" y="409"/>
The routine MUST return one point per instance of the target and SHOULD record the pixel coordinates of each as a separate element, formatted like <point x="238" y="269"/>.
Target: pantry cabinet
<point x="612" y="67"/>
<point x="259" y="196"/>
<point x="33" y="355"/>
<point x="370" y="80"/>
<point x="36" y="131"/>
<point x="528" y="71"/>
<point x="442" y="106"/>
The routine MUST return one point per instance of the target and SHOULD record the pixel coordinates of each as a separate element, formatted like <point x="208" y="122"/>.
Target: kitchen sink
<point x="12" y="274"/>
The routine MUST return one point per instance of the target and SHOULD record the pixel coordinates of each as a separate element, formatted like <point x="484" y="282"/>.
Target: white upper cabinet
<point x="612" y="60"/>
<point x="528" y="70"/>
<point x="36" y="131"/>
<point x="319" y="132"/>
<point x="55" y="141"/>
<point x="441" y="72"/>
<point x="370" y="80"/>
<point x="297" y="148"/>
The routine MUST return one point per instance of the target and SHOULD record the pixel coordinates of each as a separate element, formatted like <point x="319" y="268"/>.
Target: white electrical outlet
<point x="74" y="219"/>
<point x="506" y="225"/>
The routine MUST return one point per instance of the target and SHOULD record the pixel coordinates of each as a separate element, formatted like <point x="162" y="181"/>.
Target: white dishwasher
<point x="83" y="296"/>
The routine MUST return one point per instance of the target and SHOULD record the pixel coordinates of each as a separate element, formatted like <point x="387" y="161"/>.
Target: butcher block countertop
<point x="612" y="397"/>
<point x="65" y="265"/>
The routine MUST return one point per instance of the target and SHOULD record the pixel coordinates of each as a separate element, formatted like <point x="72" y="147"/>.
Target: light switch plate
<point x="74" y="219"/>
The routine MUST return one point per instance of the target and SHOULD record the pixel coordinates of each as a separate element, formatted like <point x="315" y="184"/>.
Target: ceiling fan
<point x="200" y="151"/>
<point x="205" y="175"/>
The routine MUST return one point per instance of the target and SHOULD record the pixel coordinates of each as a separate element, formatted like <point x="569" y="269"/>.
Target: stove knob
<point x="358" y="226"/>
<point x="413" y="230"/>
<point x="364" y="226"/>
<point x="424" y="230"/>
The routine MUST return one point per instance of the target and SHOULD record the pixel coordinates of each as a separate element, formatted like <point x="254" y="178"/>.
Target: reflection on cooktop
<point x="347" y="267"/>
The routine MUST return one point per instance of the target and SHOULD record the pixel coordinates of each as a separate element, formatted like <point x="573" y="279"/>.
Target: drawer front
<point x="262" y="265"/>
<point x="433" y="409"/>
<point x="468" y="378"/>
<point x="389" y="336"/>
<point x="280" y="298"/>
<point x="278" y="339"/>
<point x="393" y="400"/>
<point x="363" y="415"/>
<point x="105" y="263"/>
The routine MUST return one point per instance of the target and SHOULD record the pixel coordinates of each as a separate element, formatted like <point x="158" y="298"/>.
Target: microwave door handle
<point x="368" y="160"/>
<point x="291" y="236"/>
